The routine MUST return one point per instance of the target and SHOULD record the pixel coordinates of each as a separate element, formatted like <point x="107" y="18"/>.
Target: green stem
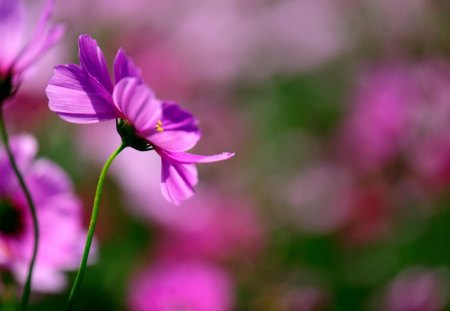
<point x="27" y="287"/>
<point x="91" y="230"/>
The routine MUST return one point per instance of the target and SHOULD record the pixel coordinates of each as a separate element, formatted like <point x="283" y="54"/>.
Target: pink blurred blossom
<point x="375" y="128"/>
<point x="193" y="286"/>
<point x="59" y="217"/>
<point x="329" y="198"/>
<point x="224" y="228"/>
<point x="319" y="198"/>
<point x="19" y="52"/>
<point x="418" y="289"/>
<point x="400" y="119"/>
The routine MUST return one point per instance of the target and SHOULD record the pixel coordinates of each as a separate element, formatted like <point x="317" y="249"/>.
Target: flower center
<point x="130" y="138"/>
<point x="158" y="126"/>
<point x="11" y="218"/>
<point x="6" y="87"/>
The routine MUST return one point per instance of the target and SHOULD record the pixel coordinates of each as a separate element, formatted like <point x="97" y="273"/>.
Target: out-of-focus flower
<point x="85" y="94"/>
<point x="319" y="198"/>
<point x="418" y="289"/>
<point x="222" y="228"/>
<point x="374" y="132"/>
<point x="193" y="286"/>
<point x="330" y="198"/>
<point x="15" y="55"/>
<point x="400" y="120"/>
<point x="58" y="212"/>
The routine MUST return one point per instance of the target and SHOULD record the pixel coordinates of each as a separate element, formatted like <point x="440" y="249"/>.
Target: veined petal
<point x="137" y="104"/>
<point x="124" y="67"/>
<point x="177" y="180"/>
<point x="11" y="30"/>
<point x="189" y="158"/>
<point x="93" y="61"/>
<point x="179" y="130"/>
<point x="44" y="37"/>
<point x="77" y="97"/>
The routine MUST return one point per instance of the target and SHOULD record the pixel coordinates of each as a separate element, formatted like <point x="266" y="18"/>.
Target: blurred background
<point x="338" y="197"/>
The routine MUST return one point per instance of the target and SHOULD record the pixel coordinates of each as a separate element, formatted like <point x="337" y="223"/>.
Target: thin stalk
<point x="91" y="229"/>
<point x="12" y="161"/>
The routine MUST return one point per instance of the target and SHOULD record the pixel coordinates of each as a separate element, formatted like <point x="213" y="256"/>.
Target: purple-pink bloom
<point x="15" y="55"/>
<point x="193" y="286"/>
<point x="85" y="93"/>
<point x="59" y="216"/>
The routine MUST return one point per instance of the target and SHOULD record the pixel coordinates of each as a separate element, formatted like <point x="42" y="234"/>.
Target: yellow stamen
<point x="158" y="126"/>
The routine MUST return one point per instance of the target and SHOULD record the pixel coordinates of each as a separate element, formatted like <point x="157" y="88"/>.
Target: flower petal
<point x="48" y="180"/>
<point x="45" y="279"/>
<point x="24" y="148"/>
<point x="77" y="97"/>
<point x="137" y="104"/>
<point x="44" y="37"/>
<point x="124" y="67"/>
<point x="11" y="31"/>
<point x="180" y="130"/>
<point x="177" y="180"/>
<point x="189" y="158"/>
<point x="93" y="61"/>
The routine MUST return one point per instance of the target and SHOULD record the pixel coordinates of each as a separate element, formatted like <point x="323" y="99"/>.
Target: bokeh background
<point x="338" y="197"/>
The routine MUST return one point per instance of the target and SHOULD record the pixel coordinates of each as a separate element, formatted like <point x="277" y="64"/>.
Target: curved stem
<point x="12" y="161"/>
<point x="91" y="229"/>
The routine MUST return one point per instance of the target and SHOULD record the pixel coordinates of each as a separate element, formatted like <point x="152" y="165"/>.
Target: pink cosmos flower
<point x="85" y="93"/>
<point x="193" y="286"/>
<point x="59" y="216"/>
<point x="15" y="56"/>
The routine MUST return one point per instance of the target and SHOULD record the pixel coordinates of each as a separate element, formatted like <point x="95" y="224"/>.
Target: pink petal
<point x="189" y="158"/>
<point x="137" y="104"/>
<point x="44" y="37"/>
<point x="177" y="180"/>
<point x="174" y="141"/>
<point x="124" y="67"/>
<point x="24" y="148"/>
<point x="180" y="130"/>
<point x="45" y="278"/>
<point x="93" y="61"/>
<point x="77" y="97"/>
<point x="49" y="178"/>
<point x="11" y="30"/>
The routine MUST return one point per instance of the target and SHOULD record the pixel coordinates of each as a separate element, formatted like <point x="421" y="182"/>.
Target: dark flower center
<point x="11" y="218"/>
<point x="130" y="138"/>
<point x="6" y="87"/>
